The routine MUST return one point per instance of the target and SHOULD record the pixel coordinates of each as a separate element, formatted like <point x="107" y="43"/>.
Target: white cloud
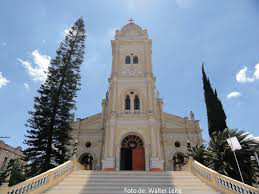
<point x="256" y="73"/>
<point x="3" y="80"/>
<point x="27" y="87"/>
<point x="38" y="72"/>
<point x="233" y="95"/>
<point x="242" y="76"/>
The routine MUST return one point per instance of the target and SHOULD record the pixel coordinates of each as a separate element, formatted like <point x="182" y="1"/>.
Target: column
<point x="150" y="100"/>
<point x="147" y="151"/>
<point x="156" y="164"/>
<point x="165" y="146"/>
<point x="107" y="130"/>
<point x="153" y="142"/>
<point x="117" y="161"/>
<point x="111" y="143"/>
<point x="108" y="164"/>
<point x="131" y="103"/>
<point x="158" y="140"/>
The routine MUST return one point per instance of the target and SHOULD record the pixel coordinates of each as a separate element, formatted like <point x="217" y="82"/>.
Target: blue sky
<point x="223" y="34"/>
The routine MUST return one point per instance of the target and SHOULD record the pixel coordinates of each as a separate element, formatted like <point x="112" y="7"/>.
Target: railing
<point x="42" y="182"/>
<point x="218" y="181"/>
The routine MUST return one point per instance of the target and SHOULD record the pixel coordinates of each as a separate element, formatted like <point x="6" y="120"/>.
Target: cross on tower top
<point x="131" y="20"/>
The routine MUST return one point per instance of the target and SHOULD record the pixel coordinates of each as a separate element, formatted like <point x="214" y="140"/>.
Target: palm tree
<point x="221" y="157"/>
<point x="199" y="153"/>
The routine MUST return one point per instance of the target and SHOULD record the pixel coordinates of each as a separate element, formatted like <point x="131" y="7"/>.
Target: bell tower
<point x="132" y="65"/>
<point x="131" y="51"/>
<point x="131" y="97"/>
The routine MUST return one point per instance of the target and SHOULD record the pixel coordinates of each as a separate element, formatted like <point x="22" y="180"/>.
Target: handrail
<point x="43" y="181"/>
<point x="218" y="181"/>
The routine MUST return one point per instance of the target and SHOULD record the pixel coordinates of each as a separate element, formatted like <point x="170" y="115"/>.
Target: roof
<point x="131" y="31"/>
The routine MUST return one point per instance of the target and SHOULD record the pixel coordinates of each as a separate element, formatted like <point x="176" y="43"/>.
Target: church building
<point x="133" y="132"/>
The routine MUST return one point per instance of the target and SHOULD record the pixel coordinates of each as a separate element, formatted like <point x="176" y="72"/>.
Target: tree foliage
<point x="215" y="112"/>
<point x="13" y="173"/>
<point x="49" y="130"/>
<point x="219" y="156"/>
<point x="198" y="153"/>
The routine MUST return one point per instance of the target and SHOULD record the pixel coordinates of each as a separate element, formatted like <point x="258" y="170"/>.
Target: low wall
<point x="44" y="181"/>
<point x="218" y="181"/>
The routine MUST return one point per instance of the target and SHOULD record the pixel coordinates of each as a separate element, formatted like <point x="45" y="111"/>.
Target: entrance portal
<point x="178" y="161"/>
<point x="86" y="160"/>
<point x="132" y="153"/>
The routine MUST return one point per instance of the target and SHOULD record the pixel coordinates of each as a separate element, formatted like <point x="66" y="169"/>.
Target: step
<point x="121" y="189"/>
<point x="67" y="184"/>
<point x="119" y="192"/>
<point x="115" y="182"/>
<point x="132" y="172"/>
<point x="101" y="180"/>
<point x="136" y="176"/>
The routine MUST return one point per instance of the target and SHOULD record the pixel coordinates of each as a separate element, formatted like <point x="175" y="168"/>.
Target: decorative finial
<point x="157" y="94"/>
<point x="192" y="116"/>
<point x="131" y="20"/>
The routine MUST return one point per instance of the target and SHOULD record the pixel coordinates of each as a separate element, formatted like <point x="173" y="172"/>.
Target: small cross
<point x="131" y="20"/>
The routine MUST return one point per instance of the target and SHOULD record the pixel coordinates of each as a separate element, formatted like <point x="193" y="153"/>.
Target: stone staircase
<point x="81" y="181"/>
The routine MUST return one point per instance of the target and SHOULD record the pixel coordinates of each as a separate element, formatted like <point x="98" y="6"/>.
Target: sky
<point x="222" y="34"/>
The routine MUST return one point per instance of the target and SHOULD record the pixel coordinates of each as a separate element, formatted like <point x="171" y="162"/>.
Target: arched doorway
<point x="132" y="153"/>
<point x="178" y="161"/>
<point x="86" y="160"/>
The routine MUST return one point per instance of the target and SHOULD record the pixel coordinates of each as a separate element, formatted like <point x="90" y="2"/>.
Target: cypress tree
<point x="215" y="112"/>
<point x="49" y="130"/>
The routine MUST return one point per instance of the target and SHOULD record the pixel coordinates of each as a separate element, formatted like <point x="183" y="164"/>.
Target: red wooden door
<point x="138" y="158"/>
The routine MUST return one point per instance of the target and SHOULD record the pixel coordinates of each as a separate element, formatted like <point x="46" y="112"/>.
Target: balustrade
<point x="43" y="181"/>
<point x="220" y="182"/>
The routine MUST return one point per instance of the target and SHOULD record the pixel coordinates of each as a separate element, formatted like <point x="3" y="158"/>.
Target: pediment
<point x="172" y="125"/>
<point x="96" y="125"/>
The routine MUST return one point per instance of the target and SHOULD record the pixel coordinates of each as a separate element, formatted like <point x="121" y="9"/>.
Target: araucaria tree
<point x="49" y="130"/>
<point x="215" y="112"/>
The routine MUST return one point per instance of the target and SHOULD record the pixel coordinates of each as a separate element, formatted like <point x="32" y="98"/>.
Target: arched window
<point x="135" y="60"/>
<point x="136" y="103"/>
<point x="127" y="103"/>
<point x="127" y="60"/>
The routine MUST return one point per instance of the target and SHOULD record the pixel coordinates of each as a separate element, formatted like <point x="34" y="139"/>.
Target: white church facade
<point x="133" y="132"/>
